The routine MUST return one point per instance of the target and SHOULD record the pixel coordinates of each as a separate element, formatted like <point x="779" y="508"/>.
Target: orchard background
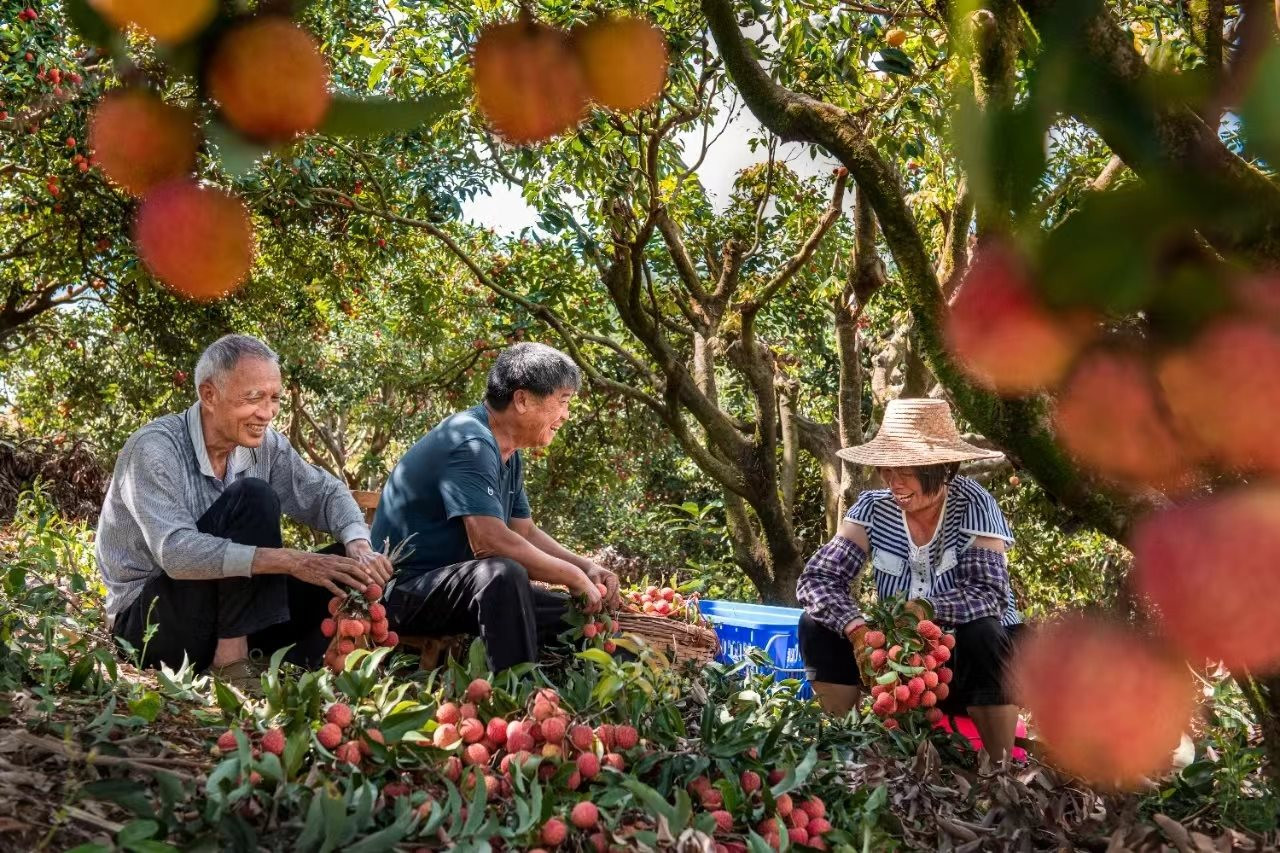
<point x="1105" y="164"/>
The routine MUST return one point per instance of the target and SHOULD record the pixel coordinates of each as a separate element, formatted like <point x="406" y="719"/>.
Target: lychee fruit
<point x="197" y="240"/>
<point x="626" y="737"/>
<point x="163" y="20"/>
<point x="1224" y="607"/>
<point x="624" y="61"/>
<point x="475" y="754"/>
<point x="339" y="714"/>
<point x="1109" y="416"/>
<point x="471" y="730"/>
<point x="448" y="713"/>
<point x="554" y="832"/>
<point x="581" y="737"/>
<point x="1126" y="731"/>
<point x="273" y="742"/>
<point x="142" y="142"/>
<point x="1000" y="333"/>
<point x="1204" y="385"/>
<point x="585" y="815"/>
<point x="478" y="691"/>
<point x="269" y="79"/>
<point x="227" y="740"/>
<point x="553" y="729"/>
<point x="446" y="735"/>
<point x="588" y="765"/>
<point x="329" y="736"/>
<point x="528" y="82"/>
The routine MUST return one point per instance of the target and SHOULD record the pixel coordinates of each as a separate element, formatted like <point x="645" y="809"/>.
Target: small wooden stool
<point x="434" y="651"/>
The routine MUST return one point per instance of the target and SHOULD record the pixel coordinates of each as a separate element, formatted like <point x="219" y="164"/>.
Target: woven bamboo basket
<point x="679" y="641"/>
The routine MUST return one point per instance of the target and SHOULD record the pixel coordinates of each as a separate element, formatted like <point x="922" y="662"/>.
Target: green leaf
<point x="385" y="839"/>
<point x="597" y="656"/>
<point x="335" y="822"/>
<point x="372" y="117"/>
<point x="123" y="792"/>
<point x="314" y="823"/>
<point x="798" y="775"/>
<point x="86" y="21"/>
<point x="296" y="747"/>
<point x="652" y="800"/>
<point x="135" y="831"/>
<point x="477" y="662"/>
<point x="147" y="706"/>
<point x="238" y="156"/>
<point x="395" y="726"/>
<point x="227" y="699"/>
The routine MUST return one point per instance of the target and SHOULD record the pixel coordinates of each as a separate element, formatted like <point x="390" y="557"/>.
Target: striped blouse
<point x="902" y="567"/>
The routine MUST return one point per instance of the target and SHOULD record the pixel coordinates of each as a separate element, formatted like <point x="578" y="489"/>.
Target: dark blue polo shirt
<point x="452" y="471"/>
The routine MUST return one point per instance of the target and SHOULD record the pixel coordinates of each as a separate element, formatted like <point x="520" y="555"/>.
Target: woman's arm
<point x="982" y="584"/>
<point x="823" y="587"/>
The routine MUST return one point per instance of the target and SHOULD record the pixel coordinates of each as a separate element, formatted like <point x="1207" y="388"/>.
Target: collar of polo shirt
<point x="240" y="459"/>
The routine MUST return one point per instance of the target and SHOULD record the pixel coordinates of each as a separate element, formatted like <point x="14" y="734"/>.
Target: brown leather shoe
<point x="241" y="674"/>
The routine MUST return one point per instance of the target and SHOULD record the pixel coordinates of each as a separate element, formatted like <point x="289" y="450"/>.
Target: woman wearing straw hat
<point x="934" y="537"/>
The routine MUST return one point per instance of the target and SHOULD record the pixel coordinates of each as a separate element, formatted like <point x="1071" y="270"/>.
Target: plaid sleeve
<point x="823" y="588"/>
<point x="981" y="588"/>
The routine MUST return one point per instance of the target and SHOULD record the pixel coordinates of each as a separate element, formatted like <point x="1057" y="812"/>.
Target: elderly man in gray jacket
<point x="189" y="539"/>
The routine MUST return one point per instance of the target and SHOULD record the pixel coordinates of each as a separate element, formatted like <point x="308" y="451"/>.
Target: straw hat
<point x="916" y="432"/>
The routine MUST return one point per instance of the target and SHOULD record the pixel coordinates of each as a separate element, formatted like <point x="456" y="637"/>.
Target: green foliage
<point x="1223" y="777"/>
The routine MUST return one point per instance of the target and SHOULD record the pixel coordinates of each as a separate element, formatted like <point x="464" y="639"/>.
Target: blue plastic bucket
<point x="776" y="630"/>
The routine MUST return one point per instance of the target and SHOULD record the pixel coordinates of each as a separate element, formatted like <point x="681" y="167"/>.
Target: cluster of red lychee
<point x="909" y="672"/>
<point x="665" y="602"/>
<point x="356" y="621"/>
<point x="1136" y="415"/>
<point x="267" y="80"/>
<point x="533" y="81"/>
<point x="802" y="821"/>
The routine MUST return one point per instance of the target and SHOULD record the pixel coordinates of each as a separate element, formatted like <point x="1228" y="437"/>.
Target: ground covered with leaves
<point x="589" y="751"/>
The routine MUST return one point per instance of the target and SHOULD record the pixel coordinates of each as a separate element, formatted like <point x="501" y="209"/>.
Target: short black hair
<point x="934" y="477"/>
<point x="536" y="368"/>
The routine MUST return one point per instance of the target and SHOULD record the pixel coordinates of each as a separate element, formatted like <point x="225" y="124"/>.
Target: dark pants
<point x="492" y="598"/>
<point x="190" y="616"/>
<point x="983" y="647"/>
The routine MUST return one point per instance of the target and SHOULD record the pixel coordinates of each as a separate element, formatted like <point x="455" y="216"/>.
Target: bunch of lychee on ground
<point x="482" y="747"/>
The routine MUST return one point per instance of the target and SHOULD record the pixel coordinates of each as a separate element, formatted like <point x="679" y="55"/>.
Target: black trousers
<point x="492" y="598"/>
<point x="190" y="616"/>
<point x="983" y="648"/>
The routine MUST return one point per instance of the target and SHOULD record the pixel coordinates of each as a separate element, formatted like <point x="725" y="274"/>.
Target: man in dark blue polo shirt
<point x="459" y="493"/>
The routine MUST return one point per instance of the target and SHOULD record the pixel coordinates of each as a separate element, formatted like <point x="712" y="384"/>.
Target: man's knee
<point x="501" y="576"/>
<point x="254" y="494"/>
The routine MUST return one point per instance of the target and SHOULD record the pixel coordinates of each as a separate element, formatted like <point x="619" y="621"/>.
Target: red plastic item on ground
<point x="965" y="726"/>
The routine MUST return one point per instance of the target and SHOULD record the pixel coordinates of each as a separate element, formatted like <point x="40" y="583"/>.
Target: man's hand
<point x="603" y="576"/>
<point x="329" y="570"/>
<point x="374" y="561"/>
<point x="586" y="587"/>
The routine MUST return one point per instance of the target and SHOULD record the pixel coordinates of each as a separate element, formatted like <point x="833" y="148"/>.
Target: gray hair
<point x="222" y="356"/>
<point x="536" y="368"/>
